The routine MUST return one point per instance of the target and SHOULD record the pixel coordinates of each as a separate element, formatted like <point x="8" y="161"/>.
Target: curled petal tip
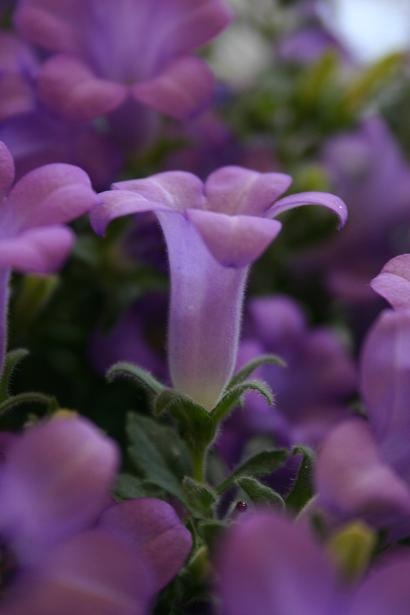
<point x="393" y="282"/>
<point x="325" y="199"/>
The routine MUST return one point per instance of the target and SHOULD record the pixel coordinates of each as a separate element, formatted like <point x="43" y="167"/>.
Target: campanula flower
<point x="214" y="231"/>
<point x="104" y="53"/>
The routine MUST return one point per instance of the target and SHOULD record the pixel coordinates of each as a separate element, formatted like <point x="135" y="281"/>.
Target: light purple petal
<point x="271" y="565"/>
<point x="69" y="87"/>
<point x="56" y="480"/>
<point x="385" y="385"/>
<point x="235" y="190"/>
<point x="47" y="23"/>
<point x="330" y="201"/>
<point x="153" y="528"/>
<point x="353" y="480"/>
<point x="92" y="573"/>
<point x="393" y="282"/>
<point x="52" y="194"/>
<point x="235" y="241"/>
<point x="183" y="89"/>
<point x="6" y="170"/>
<point x="39" y="250"/>
<point x="175" y="190"/>
<point x="386" y="591"/>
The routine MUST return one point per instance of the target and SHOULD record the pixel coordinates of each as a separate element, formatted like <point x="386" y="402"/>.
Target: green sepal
<point x="200" y="498"/>
<point x="12" y="360"/>
<point x="249" y="368"/>
<point x="135" y="374"/>
<point x="195" y="424"/>
<point x="260" y="494"/>
<point x="157" y="453"/>
<point x="302" y="490"/>
<point x="351" y="548"/>
<point x="233" y="398"/>
<point x="261" y="464"/>
<point x="30" y="398"/>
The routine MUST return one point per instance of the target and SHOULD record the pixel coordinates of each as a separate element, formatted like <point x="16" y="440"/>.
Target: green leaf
<point x="211" y="531"/>
<point x="233" y="397"/>
<point x="259" y="493"/>
<point x="138" y="376"/>
<point x="200" y="498"/>
<point x="12" y="360"/>
<point x="128" y="487"/>
<point x="152" y="446"/>
<point x="249" y="368"/>
<point x="22" y="399"/>
<point x="302" y="491"/>
<point x="260" y="464"/>
<point x="194" y="422"/>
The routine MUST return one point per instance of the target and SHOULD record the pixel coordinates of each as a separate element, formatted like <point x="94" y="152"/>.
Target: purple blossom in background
<point x="33" y="212"/>
<point x="213" y="231"/>
<point x="270" y="565"/>
<point x="105" y="53"/>
<point x="310" y="392"/>
<point x="368" y="170"/>
<point x="364" y="468"/>
<point x="59" y="553"/>
<point x="18" y="71"/>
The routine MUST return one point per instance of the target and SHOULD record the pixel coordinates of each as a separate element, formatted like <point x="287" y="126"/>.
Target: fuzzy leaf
<point x="260" y="464"/>
<point x="22" y="399"/>
<point x="249" y="368"/>
<point x="13" y="359"/>
<point x="138" y="376"/>
<point x="200" y="498"/>
<point x="302" y="491"/>
<point x="259" y="493"/>
<point x="233" y="397"/>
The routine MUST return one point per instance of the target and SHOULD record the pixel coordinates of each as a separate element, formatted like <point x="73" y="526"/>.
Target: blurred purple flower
<point x="33" y="237"/>
<point x="369" y="172"/>
<point x="310" y="392"/>
<point x="136" y="337"/>
<point x="18" y="70"/>
<point x="269" y="564"/>
<point x="105" y="53"/>
<point x="213" y="231"/>
<point x="364" y="468"/>
<point x="53" y="485"/>
<point x="308" y="45"/>
<point x="62" y="550"/>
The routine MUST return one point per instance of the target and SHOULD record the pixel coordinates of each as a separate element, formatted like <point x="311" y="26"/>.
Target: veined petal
<point x="385" y="385"/>
<point x="56" y="481"/>
<point x="269" y="564"/>
<point x="68" y="86"/>
<point x="235" y="241"/>
<point x="393" y="282"/>
<point x="330" y="201"/>
<point x="6" y="170"/>
<point x="181" y="90"/>
<point x="153" y="528"/>
<point x="38" y="250"/>
<point x="353" y="480"/>
<point x="52" y="194"/>
<point x="236" y="190"/>
<point x="91" y="573"/>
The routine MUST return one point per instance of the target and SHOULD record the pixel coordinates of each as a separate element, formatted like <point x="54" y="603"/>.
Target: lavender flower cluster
<point x="264" y="464"/>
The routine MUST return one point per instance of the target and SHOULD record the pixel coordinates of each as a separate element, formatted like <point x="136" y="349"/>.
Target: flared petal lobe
<point x="38" y="250"/>
<point x="330" y="201"/>
<point x="393" y="282"/>
<point x="56" y="481"/>
<point x="153" y="529"/>
<point x="6" y="170"/>
<point x="268" y="564"/>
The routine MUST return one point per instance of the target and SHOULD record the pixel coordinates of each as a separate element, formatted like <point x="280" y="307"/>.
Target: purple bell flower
<point x="310" y="392"/>
<point x="105" y="53"/>
<point x="364" y="468"/>
<point x="214" y="231"/>
<point x="62" y="550"/>
<point x="270" y="565"/>
<point x="33" y="235"/>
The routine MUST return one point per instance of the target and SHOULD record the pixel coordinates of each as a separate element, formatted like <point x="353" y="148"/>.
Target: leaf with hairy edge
<point x="13" y="359"/>
<point x="200" y="498"/>
<point x="23" y="399"/>
<point x="138" y="376"/>
<point x="233" y="396"/>
<point x="261" y="464"/>
<point x="302" y="491"/>
<point x="259" y="493"/>
<point x="249" y="368"/>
